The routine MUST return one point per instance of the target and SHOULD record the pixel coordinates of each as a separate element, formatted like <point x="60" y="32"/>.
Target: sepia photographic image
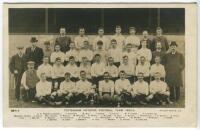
<point x="99" y="56"/>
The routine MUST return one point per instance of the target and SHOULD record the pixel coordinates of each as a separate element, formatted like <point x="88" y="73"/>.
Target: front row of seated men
<point x="83" y="92"/>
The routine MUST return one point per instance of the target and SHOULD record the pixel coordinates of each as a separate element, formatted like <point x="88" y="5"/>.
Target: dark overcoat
<point x="174" y="65"/>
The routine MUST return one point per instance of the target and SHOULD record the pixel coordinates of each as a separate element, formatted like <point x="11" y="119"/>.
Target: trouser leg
<point x="17" y="87"/>
<point x="140" y="98"/>
<point x="173" y="93"/>
<point x="31" y="93"/>
<point x="24" y="94"/>
<point x="177" y="93"/>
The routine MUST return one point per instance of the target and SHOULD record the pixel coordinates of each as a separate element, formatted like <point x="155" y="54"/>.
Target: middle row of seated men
<point x="95" y="71"/>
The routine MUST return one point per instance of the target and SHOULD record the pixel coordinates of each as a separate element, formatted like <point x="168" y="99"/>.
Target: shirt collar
<point x="20" y="55"/>
<point x="173" y="53"/>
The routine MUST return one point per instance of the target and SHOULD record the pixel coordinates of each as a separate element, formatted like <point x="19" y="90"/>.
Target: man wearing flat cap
<point x="174" y="64"/>
<point x="17" y="67"/>
<point x="34" y="53"/>
<point x="28" y="82"/>
<point x="159" y="38"/>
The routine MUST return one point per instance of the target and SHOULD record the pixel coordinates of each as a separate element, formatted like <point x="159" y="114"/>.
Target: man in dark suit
<point x="17" y="67"/>
<point x="63" y="40"/>
<point x="34" y="53"/>
<point x="159" y="38"/>
<point x="174" y="65"/>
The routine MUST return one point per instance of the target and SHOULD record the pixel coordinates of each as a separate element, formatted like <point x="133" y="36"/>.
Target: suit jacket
<point x="163" y="41"/>
<point x="156" y="53"/>
<point x="17" y="63"/>
<point x="36" y="55"/>
<point x="64" y="43"/>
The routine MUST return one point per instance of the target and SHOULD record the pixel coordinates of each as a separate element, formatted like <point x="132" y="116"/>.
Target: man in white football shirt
<point x="132" y="38"/>
<point x="119" y="37"/>
<point x="123" y="90"/>
<point x="66" y="90"/>
<point x="115" y="52"/>
<point x="159" y="91"/>
<point x="140" y="90"/>
<point x="106" y="90"/>
<point x="80" y="38"/>
<point x="43" y="89"/>
<point x="85" y="91"/>
<point x="102" y="38"/>
<point x="45" y="68"/>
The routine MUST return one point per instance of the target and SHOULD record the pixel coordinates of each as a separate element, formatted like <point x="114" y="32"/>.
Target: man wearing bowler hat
<point x="34" y="53"/>
<point x="174" y="64"/>
<point x="17" y="67"/>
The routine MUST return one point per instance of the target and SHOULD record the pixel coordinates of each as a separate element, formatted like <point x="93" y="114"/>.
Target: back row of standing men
<point x="130" y="54"/>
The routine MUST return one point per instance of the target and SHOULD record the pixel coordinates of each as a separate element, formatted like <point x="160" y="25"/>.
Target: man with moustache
<point x="174" y="64"/>
<point x="159" y="38"/>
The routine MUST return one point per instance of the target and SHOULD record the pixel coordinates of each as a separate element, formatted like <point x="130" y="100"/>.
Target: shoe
<point x="79" y="102"/>
<point x="118" y="104"/>
<point x="170" y="102"/>
<point x="43" y="103"/>
<point x="33" y="101"/>
<point x="58" y="103"/>
<point x="66" y="103"/>
<point x="143" y="103"/>
<point x="52" y="103"/>
<point x="128" y="103"/>
<point x="157" y="103"/>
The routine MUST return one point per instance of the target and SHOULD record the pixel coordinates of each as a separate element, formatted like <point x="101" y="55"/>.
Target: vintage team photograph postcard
<point x="100" y="65"/>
